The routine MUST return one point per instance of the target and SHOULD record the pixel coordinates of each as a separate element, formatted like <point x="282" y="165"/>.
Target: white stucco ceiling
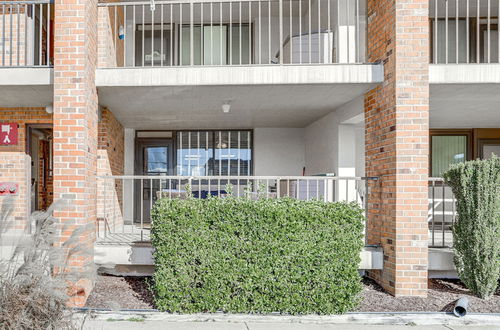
<point x="251" y="106"/>
<point x="465" y="106"/>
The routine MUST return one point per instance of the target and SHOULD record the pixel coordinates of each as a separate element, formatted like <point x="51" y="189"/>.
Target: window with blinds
<point x="214" y="153"/>
<point x="447" y="150"/>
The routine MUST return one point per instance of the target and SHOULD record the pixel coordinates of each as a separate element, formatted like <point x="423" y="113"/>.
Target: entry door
<point x="153" y="158"/>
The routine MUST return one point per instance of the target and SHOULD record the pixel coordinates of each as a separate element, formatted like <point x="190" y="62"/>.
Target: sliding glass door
<point x="219" y="153"/>
<point x="215" y="44"/>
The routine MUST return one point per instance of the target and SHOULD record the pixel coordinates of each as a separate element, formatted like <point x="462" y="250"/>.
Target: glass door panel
<point x="155" y="159"/>
<point x="215" y="45"/>
<point x="186" y="45"/>
<point x="240" y="44"/>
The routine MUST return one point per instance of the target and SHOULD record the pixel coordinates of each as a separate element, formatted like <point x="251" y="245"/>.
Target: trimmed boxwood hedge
<point x="256" y="256"/>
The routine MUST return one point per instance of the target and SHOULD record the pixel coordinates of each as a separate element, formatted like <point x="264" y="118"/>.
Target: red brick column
<point x="75" y="129"/>
<point x="396" y="119"/>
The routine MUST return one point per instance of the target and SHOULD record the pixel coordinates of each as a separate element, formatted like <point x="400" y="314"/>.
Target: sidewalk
<point x="356" y="321"/>
<point x="150" y="325"/>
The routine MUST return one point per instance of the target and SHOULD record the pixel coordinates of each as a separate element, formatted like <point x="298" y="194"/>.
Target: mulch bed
<point x="441" y="297"/>
<point x="115" y="292"/>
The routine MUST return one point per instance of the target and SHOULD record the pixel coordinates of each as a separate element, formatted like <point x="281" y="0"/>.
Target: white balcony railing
<point x="442" y="213"/>
<point x="124" y="202"/>
<point x="464" y="31"/>
<point x="232" y="32"/>
<point x="25" y="33"/>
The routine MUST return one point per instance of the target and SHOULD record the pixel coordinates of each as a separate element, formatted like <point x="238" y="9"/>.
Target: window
<point x="447" y="148"/>
<point x="488" y="148"/>
<point x="203" y="153"/>
<point x="154" y="49"/>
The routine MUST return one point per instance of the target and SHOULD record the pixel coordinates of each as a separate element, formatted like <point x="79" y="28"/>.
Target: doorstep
<point x="136" y="259"/>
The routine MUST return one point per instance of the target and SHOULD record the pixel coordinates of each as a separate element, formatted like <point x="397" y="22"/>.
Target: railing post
<point x="104" y="214"/>
<point x="281" y="30"/>
<point x="191" y="32"/>
<point x="365" y="202"/>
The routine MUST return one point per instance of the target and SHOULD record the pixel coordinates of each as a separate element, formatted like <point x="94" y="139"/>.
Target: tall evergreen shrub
<point x="476" y="233"/>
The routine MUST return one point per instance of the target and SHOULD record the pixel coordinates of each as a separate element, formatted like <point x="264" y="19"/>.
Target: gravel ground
<point x="440" y="298"/>
<point x="114" y="292"/>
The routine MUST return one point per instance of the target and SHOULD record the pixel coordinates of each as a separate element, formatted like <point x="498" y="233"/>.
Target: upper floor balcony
<point x="464" y="41"/>
<point x="464" y="31"/>
<point x="151" y="52"/>
<point x="26" y="52"/>
<point x="26" y="33"/>
<point x="231" y="32"/>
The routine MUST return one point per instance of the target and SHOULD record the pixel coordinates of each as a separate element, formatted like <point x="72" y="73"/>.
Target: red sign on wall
<point x="8" y="134"/>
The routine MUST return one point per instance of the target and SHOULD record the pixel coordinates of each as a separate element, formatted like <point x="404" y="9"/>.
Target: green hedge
<point x="256" y="256"/>
<point x="476" y="233"/>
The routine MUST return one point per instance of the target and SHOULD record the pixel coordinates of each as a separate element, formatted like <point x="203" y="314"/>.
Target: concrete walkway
<point x="218" y="321"/>
<point x="150" y="325"/>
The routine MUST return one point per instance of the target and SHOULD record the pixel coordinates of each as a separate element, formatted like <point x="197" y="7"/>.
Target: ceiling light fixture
<point x="226" y="107"/>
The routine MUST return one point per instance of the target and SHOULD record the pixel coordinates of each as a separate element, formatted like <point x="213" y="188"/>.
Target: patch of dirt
<point x="441" y="297"/>
<point x="115" y="292"/>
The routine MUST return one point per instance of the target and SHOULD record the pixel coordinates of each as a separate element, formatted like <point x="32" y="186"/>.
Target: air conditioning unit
<point x="320" y="44"/>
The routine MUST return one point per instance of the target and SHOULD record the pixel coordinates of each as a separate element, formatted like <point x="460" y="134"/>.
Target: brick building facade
<point x="112" y="94"/>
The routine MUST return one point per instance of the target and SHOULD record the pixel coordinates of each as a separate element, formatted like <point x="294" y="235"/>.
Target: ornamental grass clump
<point x="34" y="281"/>
<point x="239" y="255"/>
<point x="476" y="233"/>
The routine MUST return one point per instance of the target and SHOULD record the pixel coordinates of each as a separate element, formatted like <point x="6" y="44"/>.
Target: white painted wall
<point x="279" y="151"/>
<point x="360" y="149"/>
<point x="128" y="185"/>
<point x="321" y="139"/>
<point x="335" y="142"/>
<point x="349" y="29"/>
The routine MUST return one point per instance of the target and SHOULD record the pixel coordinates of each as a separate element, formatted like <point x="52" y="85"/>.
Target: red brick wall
<point x="15" y="47"/>
<point x="15" y="168"/>
<point x="112" y="140"/>
<point x="397" y="124"/>
<point x="110" y="47"/>
<point x="23" y="116"/>
<point x="75" y="130"/>
<point x="21" y="49"/>
<point x="110" y="162"/>
<point x="15" y="164"/>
